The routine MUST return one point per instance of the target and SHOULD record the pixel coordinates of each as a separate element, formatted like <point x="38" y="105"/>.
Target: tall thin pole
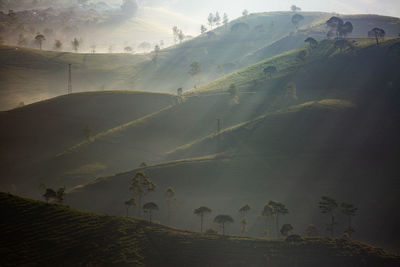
<point x="69" y="79"/>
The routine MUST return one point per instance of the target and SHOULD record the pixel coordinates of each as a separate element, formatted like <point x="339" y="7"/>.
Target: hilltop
<point x="44" y="234"/>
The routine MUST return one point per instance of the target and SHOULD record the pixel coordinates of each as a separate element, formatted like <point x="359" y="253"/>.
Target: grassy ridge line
<point x="43" y="234"/>
<point x="113" y="131"/>
<point x="285" y="64"/>
<point x="327" y="103"/>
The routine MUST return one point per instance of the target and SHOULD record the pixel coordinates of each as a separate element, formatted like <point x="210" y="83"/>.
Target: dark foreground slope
<point x="35" y="233"/>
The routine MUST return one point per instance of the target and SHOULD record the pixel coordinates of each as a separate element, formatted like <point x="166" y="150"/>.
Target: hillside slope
<point x="36" y="133"/>
<point x="46" y="234"/>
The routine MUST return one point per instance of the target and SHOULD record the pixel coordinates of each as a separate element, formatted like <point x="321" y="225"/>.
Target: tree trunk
<point x="223" y="228"/>
<point x="201" y="223"/>
<point x="377" y="39"/>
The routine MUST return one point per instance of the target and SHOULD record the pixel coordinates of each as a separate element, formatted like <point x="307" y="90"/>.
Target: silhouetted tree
<point x="149" y="208"/>
<point x="377" y="33"/>
<point x="244" y="225"/>
<point x="39" y="39"/>
<point x="295" y="8"/>
<point x="328" y="206"/>
<point x="157" y="50"/>
<point x="311" y="230"/>
<point x="268" y="71"/>
<point x="296" y="19"/>
<point x="128" y="204"/>
<point x="170" y="198"/>
<point x="233" y="91"/>
<point x="279" y="209"/>
<point x="49" y="194"/>
<point x="210" y="20"/>
<point x="244" y="210"/>
<point x="141" y="185"/>
<point x="350" y="211"/>
<point x="245" y="13"/>
<point x="181" y="36"/>
<point x="175" y="32"/>
<point x="58" y="45"/>
<point x="128" y="49"/>
<point x="313" y="43"/>
<point x="286" y="229"/>
<point x="195" y="71"/>
<point x="217" y="19"/>
<point x="179" y="91"/>
<point x="223" y="220"/>
<point x="203" y="29"/>
<point x="225" y="20"/>
<point x="338" y="27"/>
<point x="60" y="194"/>
<point x="201" y="212"/>
<point x="346" y="29"/>
<point x="75" y="45"/>
<point x="267" y="213"/>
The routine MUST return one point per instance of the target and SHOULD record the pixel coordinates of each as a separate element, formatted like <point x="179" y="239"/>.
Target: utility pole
<point x="69" y="79"/>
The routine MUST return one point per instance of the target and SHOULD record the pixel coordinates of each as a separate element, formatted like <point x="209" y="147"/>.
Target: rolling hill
<point x="35" y="233"/>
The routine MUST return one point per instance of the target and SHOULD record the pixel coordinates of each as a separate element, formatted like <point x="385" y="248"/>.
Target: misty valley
<point x="135" y="134"/>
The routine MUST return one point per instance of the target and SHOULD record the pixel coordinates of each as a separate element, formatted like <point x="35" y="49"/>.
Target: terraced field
<point x="38" y="234"/>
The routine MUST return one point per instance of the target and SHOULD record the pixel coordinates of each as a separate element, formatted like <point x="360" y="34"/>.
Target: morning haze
<point x="186" y="133"/>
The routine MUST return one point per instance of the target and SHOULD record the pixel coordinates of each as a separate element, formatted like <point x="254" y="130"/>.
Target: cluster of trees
<point x="57" y="196"/>
<point x="178" y="34"/>
<point x="215" y="20"/>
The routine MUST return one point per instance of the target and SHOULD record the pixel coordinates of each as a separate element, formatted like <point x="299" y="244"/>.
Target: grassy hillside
<point x="36" y="133"/>
<point x="29" y="75"/>
<point x="46" y="234"/>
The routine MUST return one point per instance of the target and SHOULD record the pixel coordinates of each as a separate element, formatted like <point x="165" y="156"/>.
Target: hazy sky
<point x="199" y="9"/>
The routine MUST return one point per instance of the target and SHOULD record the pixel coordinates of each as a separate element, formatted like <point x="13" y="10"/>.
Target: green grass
<point x="35" y="233"/>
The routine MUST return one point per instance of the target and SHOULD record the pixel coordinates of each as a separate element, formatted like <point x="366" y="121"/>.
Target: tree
<point x="225" y="20"/>
<point x="60" y="194"/>
<point x="39" y="39"/>
<point x="203" y="29"/>
<point x="338" y="27"/>
<point x="202" y="211"/>
<point x="195" y="71"/>
<point x="144" y="46"/>
<point x="244" y="225"/>
<point x="141" y="185"/>
<point x="157" y="50"/>
<point x="311" y="230"/>
<point x="245" y="13"/>
<point x="175" y="32"/>
<point x="75" y="45"/>
<point x="267" y="213"/>
<point x="128" y="49"/>
<point x="313" y="43"/>
<point x="58" y="45"/>
<point x="286" y="229"/>
<point x="244" y="210"/>
<point x="346" y="29"/>
<point x="279" y="209"/>
<point x="223" y="220"/>
<point x="328" y="206"/>
<point x="295" y="8"/>
<point x="268" y="71"/>
<point x="210" y="20"/>
<point x="296" y="19"/>
<point x="129" y="203"/>
<point x="49" y="194"/>
<point x="377" y="33"/>
<point x="350" y="211"/>
<point x="170" y="197"/>
<point x="149" y="208"/>
<point x="217" y="19"/>
<point x="233" y="90"/>
<point x="181" y="36"/>
<point x="179" y="91"/>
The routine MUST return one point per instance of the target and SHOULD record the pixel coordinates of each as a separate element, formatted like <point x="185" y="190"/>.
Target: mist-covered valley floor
<point x="269" y="140"/>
